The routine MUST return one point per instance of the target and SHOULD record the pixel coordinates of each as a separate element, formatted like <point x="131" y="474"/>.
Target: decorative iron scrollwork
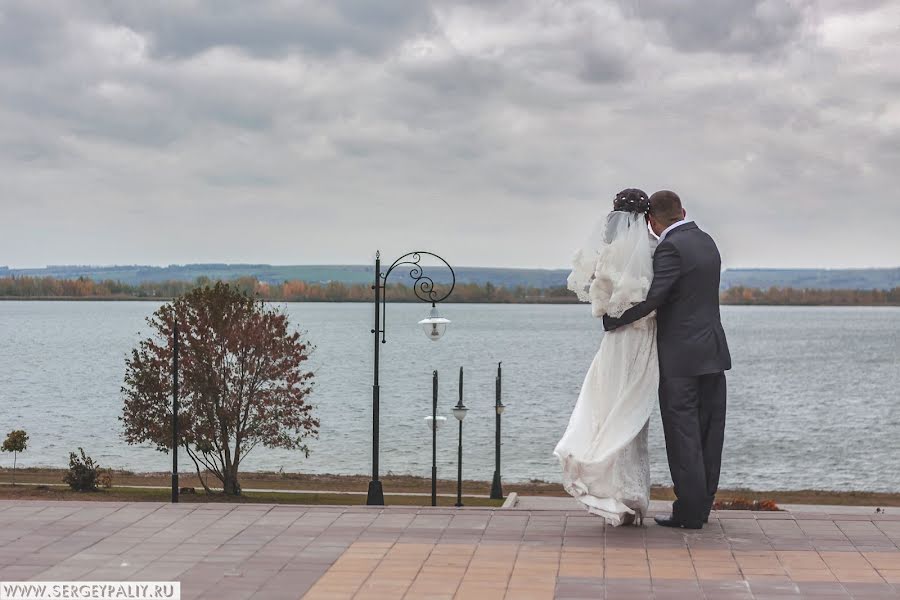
<point x="423" y="285"/>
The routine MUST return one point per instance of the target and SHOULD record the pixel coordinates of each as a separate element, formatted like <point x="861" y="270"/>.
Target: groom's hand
<point x="609" y="323"/>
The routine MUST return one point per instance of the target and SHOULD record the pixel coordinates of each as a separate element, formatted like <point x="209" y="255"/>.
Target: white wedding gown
<point x="604" y="453"/>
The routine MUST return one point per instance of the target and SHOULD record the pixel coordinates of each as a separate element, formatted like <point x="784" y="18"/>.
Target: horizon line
<point x="369" y="266"/>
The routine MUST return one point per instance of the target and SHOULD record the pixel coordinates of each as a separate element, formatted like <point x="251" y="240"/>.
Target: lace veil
<point x="614" y="268"/>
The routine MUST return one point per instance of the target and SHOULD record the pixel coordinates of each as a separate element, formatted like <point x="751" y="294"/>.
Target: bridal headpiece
<point x="632" y="200"/>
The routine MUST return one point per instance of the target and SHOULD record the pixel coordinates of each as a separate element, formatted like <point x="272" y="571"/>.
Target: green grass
<point x="134" y="494"/>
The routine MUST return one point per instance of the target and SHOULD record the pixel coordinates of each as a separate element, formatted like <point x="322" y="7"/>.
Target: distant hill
<point x="822" y="279"/>
<point x="828" y="279"/>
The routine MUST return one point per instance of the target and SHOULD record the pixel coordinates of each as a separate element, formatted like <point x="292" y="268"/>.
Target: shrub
<point x="105" y="479"/>
<point x="746" y="504"/>
<point x="84" y="473"/>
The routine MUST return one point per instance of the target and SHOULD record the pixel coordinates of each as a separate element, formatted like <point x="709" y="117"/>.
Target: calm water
<point x="813" y="399"/>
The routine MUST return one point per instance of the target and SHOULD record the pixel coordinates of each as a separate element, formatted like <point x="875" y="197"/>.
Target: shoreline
<point x="415" y="485"/>
<point x="410" y="301"/>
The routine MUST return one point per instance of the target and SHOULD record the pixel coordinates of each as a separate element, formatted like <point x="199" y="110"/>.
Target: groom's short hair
<point x="665" y="206"/>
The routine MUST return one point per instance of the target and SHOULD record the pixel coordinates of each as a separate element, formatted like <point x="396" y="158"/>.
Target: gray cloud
<point x="271" y="29"/>
<point x="604" y="65"/>
<point x="742" y="26"/>
<point x="493" y="132"/>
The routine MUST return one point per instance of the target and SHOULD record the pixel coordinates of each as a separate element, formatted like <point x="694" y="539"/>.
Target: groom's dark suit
<point x="693" y="358"/>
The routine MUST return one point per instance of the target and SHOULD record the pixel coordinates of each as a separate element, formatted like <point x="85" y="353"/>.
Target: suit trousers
<point x="693" y="416"/>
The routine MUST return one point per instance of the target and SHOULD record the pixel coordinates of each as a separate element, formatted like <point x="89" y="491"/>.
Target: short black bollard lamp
<point x="496" y="486"/>
<point x="459" y="411"/>
<point x="434" y="422"/>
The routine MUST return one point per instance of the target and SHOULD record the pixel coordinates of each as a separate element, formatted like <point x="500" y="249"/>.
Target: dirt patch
<point x="412" y="484"/>
<point x="294" y="481"/>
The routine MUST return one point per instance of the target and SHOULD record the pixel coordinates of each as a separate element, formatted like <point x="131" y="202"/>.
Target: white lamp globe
<point x="431" y="422"/>
<point x="435" y="325"/>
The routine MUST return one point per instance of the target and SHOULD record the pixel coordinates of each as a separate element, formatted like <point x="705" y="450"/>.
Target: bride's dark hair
<point x="632" y="200"/>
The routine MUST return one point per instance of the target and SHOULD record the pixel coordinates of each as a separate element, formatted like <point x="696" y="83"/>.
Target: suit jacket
<point x="685" y="296"/>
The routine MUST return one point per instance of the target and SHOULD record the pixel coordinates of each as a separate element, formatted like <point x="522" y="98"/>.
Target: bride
<point x="604" y="453"/>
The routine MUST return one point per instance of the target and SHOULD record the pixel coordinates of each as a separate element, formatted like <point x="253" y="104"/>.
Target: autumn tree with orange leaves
<point x="242" y="382"/>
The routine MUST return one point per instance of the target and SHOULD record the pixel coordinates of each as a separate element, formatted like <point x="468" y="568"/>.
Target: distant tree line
<point x="810" y="297"/>
<point x="84" y="287"/>
<point x="288" y="291"/>
<point x="302" y="291"/>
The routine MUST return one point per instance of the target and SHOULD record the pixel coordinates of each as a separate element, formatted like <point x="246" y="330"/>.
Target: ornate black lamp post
<point x="175" y="412"/>
<point x="459" y="411"/>
<point x="496" y="486"/>
<point x="434" y="326"/>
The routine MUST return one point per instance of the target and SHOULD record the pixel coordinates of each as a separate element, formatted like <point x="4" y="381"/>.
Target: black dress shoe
<point x="670" y="521"/>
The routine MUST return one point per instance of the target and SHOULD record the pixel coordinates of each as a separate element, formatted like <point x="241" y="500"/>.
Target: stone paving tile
<point x="280" y="552"/>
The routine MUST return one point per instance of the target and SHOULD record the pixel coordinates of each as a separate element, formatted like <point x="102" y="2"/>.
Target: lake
<point x="813" y="399"/>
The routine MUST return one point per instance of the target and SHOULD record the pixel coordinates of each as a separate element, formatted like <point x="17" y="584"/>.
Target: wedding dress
<point x="604" y="452"/>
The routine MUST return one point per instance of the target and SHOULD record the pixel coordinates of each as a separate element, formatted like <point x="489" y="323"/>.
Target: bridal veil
<point x="604" y="452"/>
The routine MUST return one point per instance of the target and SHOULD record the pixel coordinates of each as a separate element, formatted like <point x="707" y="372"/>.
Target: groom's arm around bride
<point x="693" y="355"/>
<point x="666" y="271"/>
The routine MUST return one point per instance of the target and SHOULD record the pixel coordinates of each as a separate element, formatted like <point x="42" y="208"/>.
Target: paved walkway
<point x="280" y="552"/>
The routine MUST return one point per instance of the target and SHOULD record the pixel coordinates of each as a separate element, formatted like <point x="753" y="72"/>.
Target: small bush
<point x="105" y="479"/>
<point x="84" y="474"/>
<point x="745" y="504"/>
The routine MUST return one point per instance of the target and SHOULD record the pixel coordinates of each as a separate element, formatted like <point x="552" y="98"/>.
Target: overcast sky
<point x="493" y="133"/>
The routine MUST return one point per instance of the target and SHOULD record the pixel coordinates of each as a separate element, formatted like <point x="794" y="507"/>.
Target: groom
<point x="693" y="356"/>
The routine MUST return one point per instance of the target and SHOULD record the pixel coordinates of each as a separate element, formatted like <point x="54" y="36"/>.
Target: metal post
<point x="459" y="502"/>
<point x="496" y="486"/>
<point x="175" y="412"/>
<point x="375" y="497"/>
<point x="434" y="426"/>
